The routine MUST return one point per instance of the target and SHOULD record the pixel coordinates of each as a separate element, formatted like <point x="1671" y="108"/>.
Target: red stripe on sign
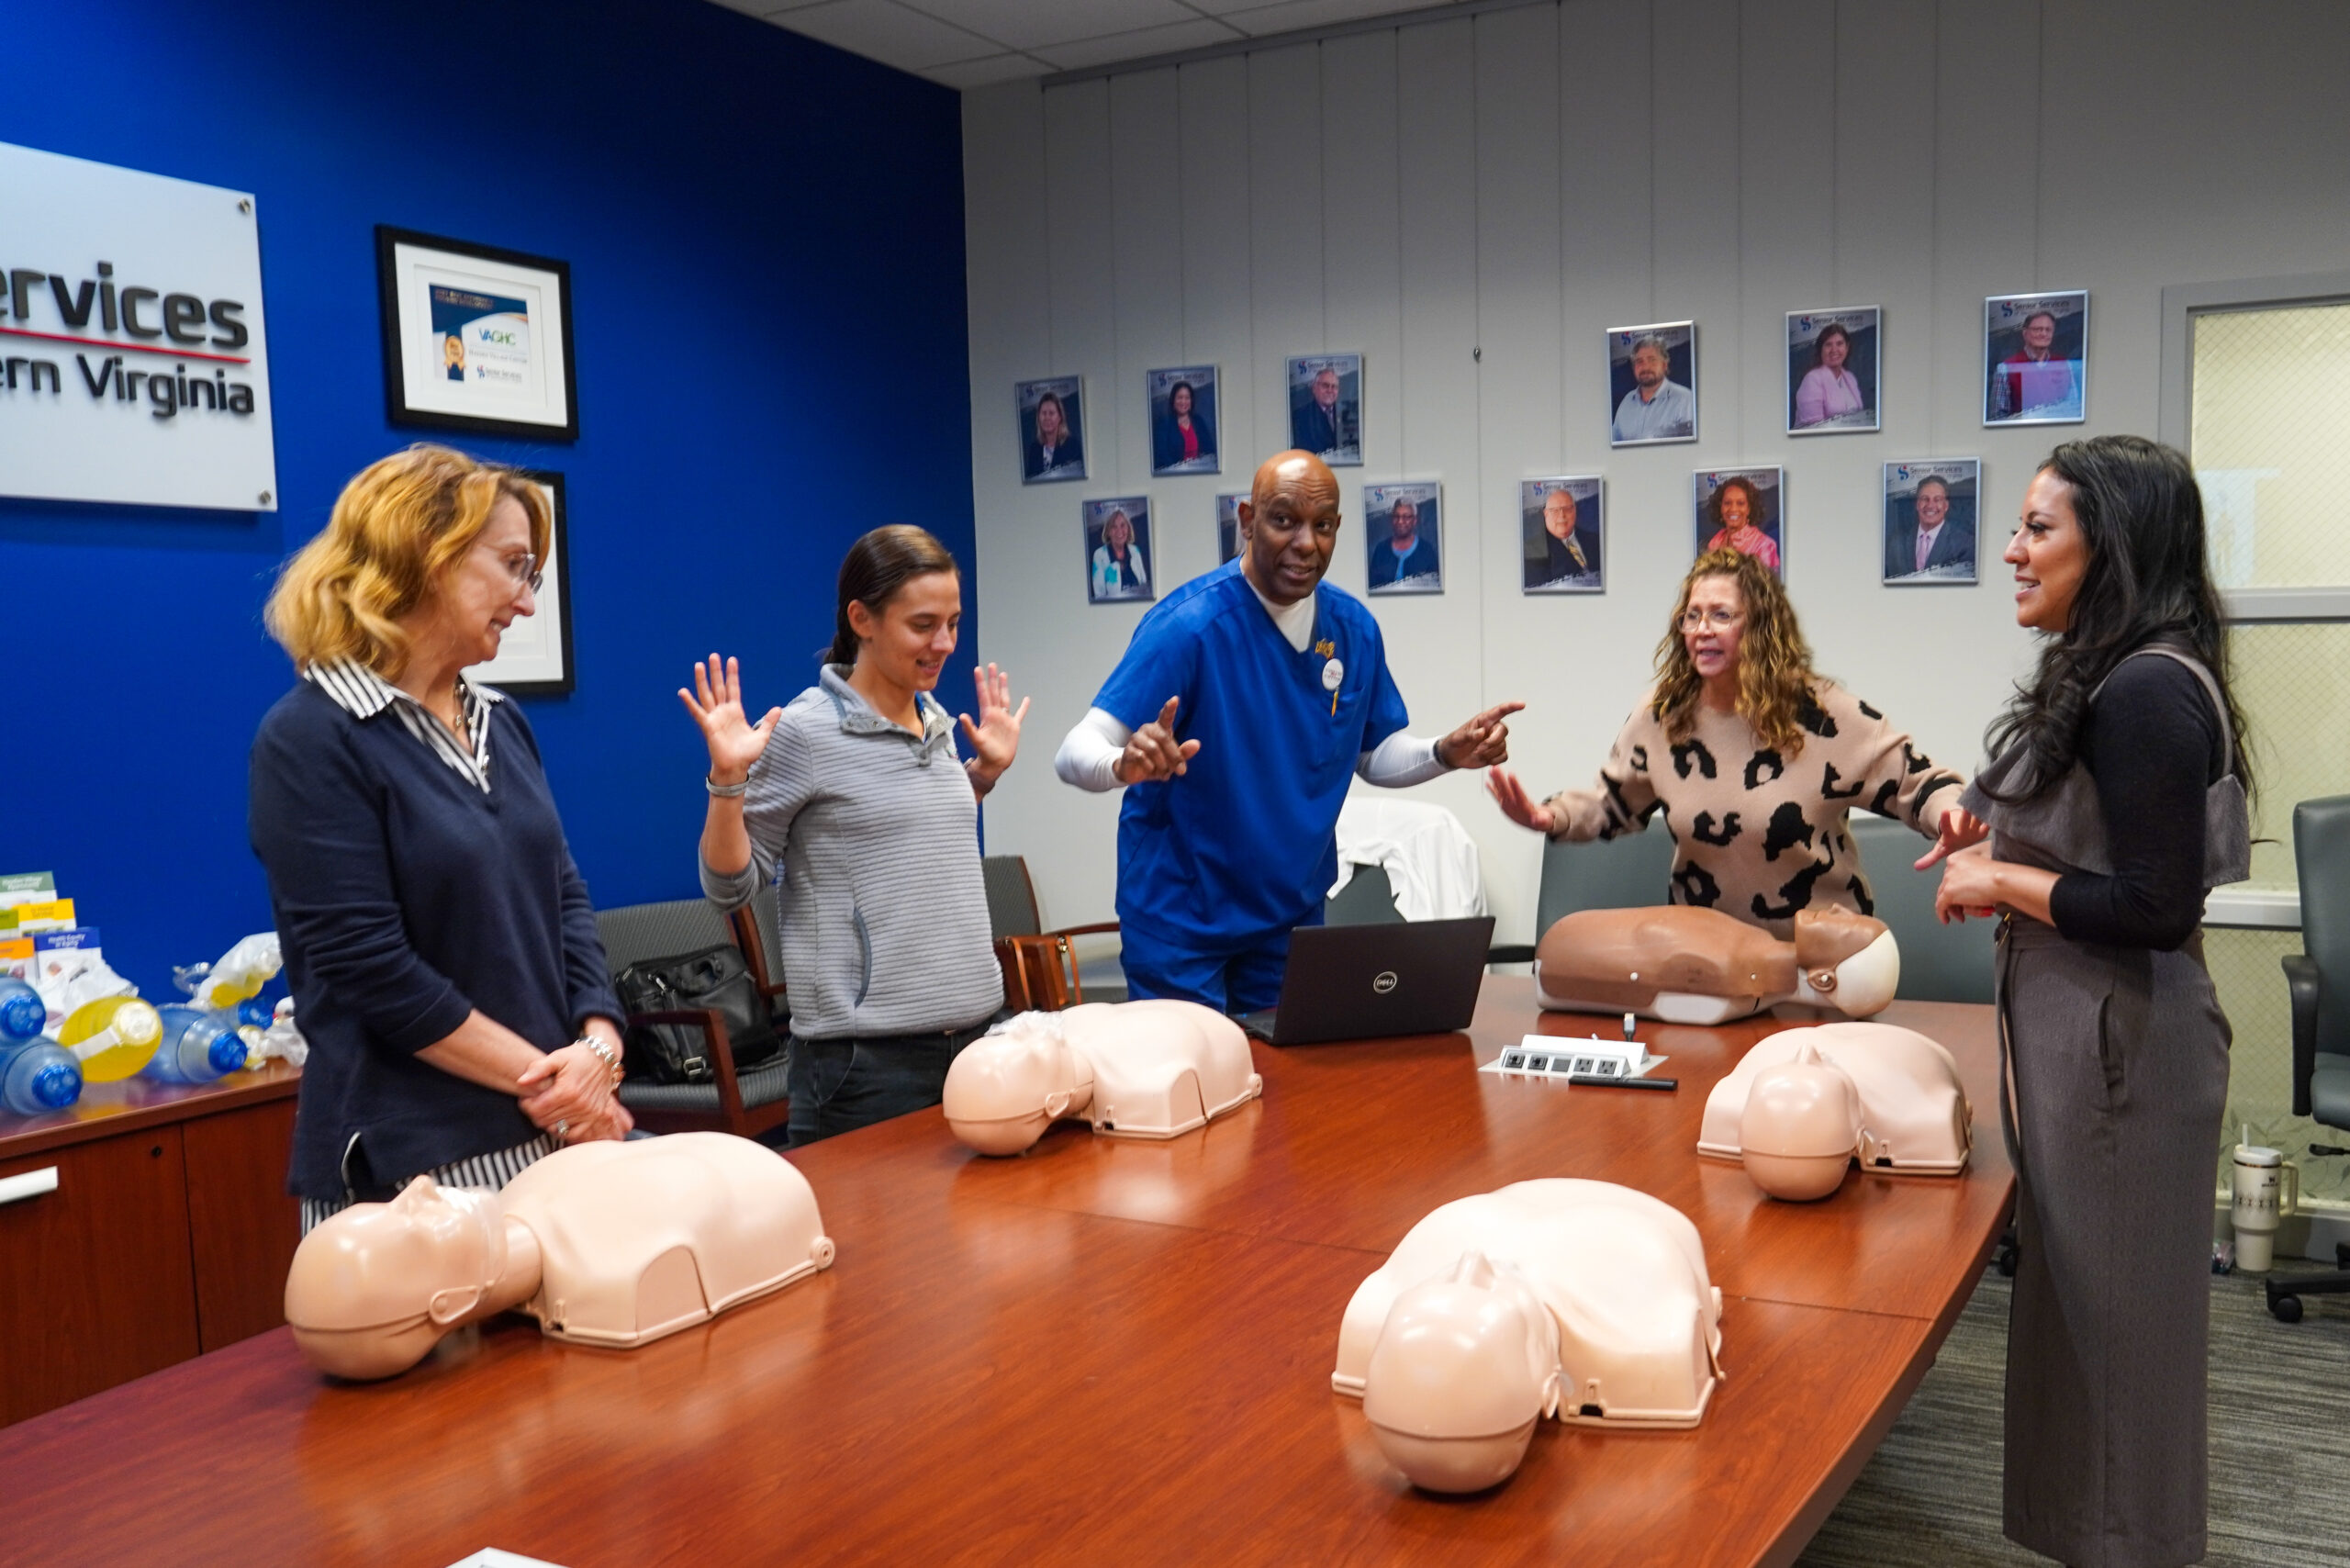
<point x="134" y="348"/>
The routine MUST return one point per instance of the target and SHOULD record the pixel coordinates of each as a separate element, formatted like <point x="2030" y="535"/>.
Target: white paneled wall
<point x="1471" y="202"/>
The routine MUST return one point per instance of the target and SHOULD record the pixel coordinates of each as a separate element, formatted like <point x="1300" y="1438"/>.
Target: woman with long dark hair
<point x="2115" y="800"/>
<point x="854" y="790"/>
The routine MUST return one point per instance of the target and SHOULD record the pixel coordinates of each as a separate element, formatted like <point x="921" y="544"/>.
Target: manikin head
<point x="374" y="1288"/>
<point x="1004" y="1089"/>
<point x="1801" y="1127"/>
<point x="1464" y="1367"/>
<point x="1289" y="525"/>
<point x="1845" y="960"/>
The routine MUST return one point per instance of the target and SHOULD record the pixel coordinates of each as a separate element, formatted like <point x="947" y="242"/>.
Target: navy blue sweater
<point x="405" y="899"/>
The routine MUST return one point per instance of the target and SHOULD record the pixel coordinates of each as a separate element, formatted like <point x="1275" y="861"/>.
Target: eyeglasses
<point x="1721" y="619"/>
<point x="522" y="570"/>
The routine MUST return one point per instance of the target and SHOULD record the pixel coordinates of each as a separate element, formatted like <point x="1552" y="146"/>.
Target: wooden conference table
<point x="1106" y="1350"/>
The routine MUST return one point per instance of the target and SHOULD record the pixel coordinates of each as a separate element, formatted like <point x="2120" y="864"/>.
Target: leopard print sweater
<point x="1761" y="835"/>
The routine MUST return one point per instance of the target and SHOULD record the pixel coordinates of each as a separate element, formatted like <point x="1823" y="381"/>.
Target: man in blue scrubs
<point x="1247" y="701"/>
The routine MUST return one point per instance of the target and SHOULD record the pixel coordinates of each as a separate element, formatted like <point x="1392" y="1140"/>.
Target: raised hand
<point x="716" y="703"/>
<point x="1152" y="753"/>
<point x="1962" y="829"/>
<point x="995" y="739"/>
<point x="1481" y="741"/>
<point x="1517" y="804"/>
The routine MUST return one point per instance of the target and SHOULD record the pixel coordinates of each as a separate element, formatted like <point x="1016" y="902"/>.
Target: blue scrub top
<point x="1244" y="844"/>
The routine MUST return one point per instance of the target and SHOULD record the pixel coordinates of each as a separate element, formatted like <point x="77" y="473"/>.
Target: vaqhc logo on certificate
<point x="134" y="359"/>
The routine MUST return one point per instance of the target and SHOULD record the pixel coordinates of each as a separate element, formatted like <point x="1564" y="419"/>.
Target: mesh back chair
<point x="2318" y="978"/>
<point x="745" y="1103"/>
<point x="1939" y="963"/>
<point x="1630" y="871"/>
<point x="1040" y="969"/>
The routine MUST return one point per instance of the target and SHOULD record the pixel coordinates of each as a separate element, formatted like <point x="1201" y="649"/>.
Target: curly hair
<point x="1775" y="673"/>
<point x="397" y="530"/>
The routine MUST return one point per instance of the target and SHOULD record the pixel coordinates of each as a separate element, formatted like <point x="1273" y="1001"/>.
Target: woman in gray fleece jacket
<point x="853" y="790"/>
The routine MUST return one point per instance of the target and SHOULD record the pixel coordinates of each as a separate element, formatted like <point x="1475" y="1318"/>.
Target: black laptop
<point x="1360" y="982"/>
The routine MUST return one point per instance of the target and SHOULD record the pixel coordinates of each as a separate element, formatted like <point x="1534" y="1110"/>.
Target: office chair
<point x="1040" y="969"/>
<point x="2318" y="978"/>
<point x="1939" y="963"/>
<point x="1630" y="871"/>
<point x="747" y="1103"/>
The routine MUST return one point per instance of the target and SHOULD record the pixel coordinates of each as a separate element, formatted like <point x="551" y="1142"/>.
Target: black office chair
<point x="1368" y="898"/>
<point x="746" y="1103"/>
<point x="2319" y="981"/>
<point x="1631" y="871"/>
<point x="1939" y="963"/>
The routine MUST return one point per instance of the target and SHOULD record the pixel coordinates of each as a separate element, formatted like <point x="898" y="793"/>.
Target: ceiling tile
<point x="985" y="72"/>
<point x="883" y="30"/>
<point x="1025" y="24"/>
<point x="1288" y="14"/>
<point x="1140" y="45"/>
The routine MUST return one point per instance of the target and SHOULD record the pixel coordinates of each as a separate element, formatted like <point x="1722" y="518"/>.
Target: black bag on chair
<point x="715" y="978"/>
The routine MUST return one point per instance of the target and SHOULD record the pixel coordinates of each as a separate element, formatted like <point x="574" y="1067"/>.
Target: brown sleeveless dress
<point x="2116" y="1075"/>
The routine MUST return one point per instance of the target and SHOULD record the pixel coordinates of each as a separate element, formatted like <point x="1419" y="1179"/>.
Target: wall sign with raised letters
<point x="134" y="364"/>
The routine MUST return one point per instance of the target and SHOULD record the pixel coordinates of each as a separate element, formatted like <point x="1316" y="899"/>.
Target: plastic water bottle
<point x="197" y="1047"/>
<point x="38" y="1076"/>
<point x="22" y="1012"/>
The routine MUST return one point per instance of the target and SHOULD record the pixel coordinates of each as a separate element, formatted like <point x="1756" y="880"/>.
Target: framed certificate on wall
<point x="534" y="653"/>
<point x="475" y="338"/>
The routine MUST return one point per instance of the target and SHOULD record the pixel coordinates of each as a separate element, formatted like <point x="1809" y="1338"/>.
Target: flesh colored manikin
<point x="612" y="1244"/>
<point x="1581" y="1300"/>
<point x="1686" y="964"/>
<point x="1150" y="1069"/>
<point x="1782" y="1110"/>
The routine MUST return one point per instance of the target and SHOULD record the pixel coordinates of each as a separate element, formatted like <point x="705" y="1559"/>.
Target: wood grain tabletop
<point x="1105" y="1350"/>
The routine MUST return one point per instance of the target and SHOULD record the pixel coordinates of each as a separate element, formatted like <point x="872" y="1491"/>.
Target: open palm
<point x="716" y="703"/>
<point x="995" y="739"/>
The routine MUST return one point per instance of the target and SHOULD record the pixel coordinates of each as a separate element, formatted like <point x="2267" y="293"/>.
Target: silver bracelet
<point x="725" y="791"/>
<point x="603" y="1053"/>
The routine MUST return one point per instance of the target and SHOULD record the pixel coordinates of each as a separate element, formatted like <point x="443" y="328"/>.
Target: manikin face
<point x="2050" y="553"/>
<point x="1712" y="626"/>
<point x="1289" y="525"/>
<point x="1049" y="422"/>
<point x="485" y="591"/>
<point x="1404" y="520"/>
<point x="1559" y="515"/>
<point x="1180" y="400"/>
<point x="1326" y="388"/>
<point x="1833" y="349"/>
<point x="1736" y="510"/>
<point x="2039" y="333"/>
<point x="373" y="1287"/>
<point x="1647" y="366"/>
<point x="910" y="640"/>
<point x="1933" y="505"/>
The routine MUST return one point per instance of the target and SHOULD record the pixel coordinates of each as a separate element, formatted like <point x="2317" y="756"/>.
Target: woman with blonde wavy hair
<point x="439" y="941"/>
<point x="1754" y="757"/>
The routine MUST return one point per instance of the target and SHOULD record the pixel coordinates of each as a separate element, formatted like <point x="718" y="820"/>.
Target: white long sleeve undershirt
<point x="1088" y="754"/>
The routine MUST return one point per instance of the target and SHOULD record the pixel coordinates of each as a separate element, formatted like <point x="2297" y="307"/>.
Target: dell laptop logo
<point x="1384" y="981"/>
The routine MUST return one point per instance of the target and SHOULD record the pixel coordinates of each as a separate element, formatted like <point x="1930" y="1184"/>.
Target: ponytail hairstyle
<point x="2142" y="516"/>
<point x="873" y="571"/>
<point x="1775" y="673"/>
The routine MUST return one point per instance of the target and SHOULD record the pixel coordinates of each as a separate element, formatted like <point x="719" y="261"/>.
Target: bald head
<point x="1289" y="525"/>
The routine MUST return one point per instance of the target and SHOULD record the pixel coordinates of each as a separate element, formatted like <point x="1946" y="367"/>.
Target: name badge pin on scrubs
<point x="1333" y="674"/>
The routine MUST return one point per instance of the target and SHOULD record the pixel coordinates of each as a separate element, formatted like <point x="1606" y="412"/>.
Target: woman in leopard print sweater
<point x="1755" y="760"/>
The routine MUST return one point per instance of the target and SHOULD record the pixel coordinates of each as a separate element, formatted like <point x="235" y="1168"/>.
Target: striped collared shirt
<point x="486" y="1172"/>
<point x="362" y="693"/>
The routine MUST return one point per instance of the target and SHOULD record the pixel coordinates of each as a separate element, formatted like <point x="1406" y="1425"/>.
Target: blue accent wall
<point x="765" y="238"/>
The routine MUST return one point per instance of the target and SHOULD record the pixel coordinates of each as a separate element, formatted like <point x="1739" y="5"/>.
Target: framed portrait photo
<point x="1564" y="534"/>
<point x="1228" y="525"/>
<point x="2036" y="358"/>
<point x="1182" y="419"/>
<point x="1406" y="537"/>
<point x="475" y="338"/>
<point x="1931" y="511"/>
<point x="534" y="653"/>
<point x="1325" y="406"/>
<point x="1652" y="384"/>
<point x="1832" y="360"/>
<point x="1117" y="549"/>
<point x="1744" y="510"/>
<point x="1052" y="428"/>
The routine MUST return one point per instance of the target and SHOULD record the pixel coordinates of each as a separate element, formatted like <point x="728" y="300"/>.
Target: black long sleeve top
<point x="2153" y="745"/>
<point x="406" y="897"/>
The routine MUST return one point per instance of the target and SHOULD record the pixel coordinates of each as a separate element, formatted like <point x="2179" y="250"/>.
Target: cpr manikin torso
<point x="1685" y="964"/>
<point x="605" y="1243"/>
<point x="1579" y="1299"/>
<point x="1804" y="1103"/>
<point x="1148" y="1069"/>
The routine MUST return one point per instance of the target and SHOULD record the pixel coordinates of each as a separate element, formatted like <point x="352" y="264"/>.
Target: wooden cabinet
<point x="149" y="1224"/>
